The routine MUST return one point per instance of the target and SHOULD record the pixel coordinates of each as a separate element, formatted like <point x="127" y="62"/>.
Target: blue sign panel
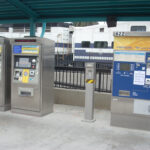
<point x="17" y="49"/>
<point x="82" y="55"/>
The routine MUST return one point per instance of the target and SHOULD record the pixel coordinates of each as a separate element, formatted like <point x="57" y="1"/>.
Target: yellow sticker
<point x="132" y="43"/>
<point x="0" y="49"/>
<point x="25" y="77"/>
<point x="89" y="81"/>
<point x="30" y="49"/>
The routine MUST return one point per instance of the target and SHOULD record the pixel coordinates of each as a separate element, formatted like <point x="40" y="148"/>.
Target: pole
<point x="90" y="74"/>
<point x="32" y="28"/>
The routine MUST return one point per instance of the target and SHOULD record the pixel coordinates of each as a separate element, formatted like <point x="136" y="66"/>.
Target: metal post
<point x="90" y="74"/>
<point x="32" y="28"/>
<point x="43" y="29"/>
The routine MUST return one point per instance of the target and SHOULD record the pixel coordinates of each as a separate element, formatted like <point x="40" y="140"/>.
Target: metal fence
<point x="74" y="78"/>
<point x="67" y="60"/>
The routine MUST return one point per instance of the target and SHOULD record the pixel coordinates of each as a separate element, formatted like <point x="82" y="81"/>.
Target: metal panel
<point x="130" y="121"/>
<point x="5" y="70"/>
<point x="70" y="10"/>
<point x="47" y="75"/>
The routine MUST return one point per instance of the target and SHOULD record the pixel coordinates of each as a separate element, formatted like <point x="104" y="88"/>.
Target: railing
<point x="74" y="78"/>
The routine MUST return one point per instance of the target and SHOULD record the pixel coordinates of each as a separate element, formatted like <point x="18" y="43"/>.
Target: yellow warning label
<point x="132" y="43"/>
<point x="89" y="81"/>
<point x="25" y="77"/>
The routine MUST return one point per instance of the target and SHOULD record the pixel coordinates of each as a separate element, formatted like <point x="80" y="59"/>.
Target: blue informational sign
<point x="17" y="49"/>
<point x="132" y="79"/>
<point x="82" y="55"/>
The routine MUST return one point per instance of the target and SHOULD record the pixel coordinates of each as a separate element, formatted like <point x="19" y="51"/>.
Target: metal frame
<point x="74" y="78"/>
<point x="5" y="80"/>
<point x="29" y="11"/>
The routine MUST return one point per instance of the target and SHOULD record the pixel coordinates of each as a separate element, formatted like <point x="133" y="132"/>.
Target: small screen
<point x="24" y="63"/>
<point x="124" y="67"/>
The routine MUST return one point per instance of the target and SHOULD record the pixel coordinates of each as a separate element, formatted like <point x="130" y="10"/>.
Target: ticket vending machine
<point x="5" y="71"/>
<point x="130" y="105"/>
<point x="32" y="76"/>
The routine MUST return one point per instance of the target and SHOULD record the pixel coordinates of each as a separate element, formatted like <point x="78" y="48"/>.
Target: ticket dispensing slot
<point x="25" y="91"/>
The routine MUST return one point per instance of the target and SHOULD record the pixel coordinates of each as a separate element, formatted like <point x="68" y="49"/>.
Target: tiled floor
<point x="65" y="130"/>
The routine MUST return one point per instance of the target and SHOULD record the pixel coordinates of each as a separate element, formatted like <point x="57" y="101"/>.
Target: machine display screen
<point x="28" y="62"/>
<point x="24" y="63"/>
<point x="124" y="67"/>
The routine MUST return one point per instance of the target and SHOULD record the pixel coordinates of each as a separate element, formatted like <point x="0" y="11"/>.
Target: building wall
<point x="76" y="98"/>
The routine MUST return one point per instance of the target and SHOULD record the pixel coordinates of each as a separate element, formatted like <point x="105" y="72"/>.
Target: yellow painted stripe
<point x="0" y="49"/>
<point x="89" y="81"/>
<point x="30" y="48"/>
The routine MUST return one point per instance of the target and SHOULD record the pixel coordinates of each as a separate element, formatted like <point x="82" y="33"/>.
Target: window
<point x="138" y="28"/>
<point x="112" y="44"/>
<point x="100" y="44"/>
<point x="18" y="29"/>
<point x="48" y="29"/>
<point x="27" y="29"/>
<point x="101" y="29"/>
<point x="4" y="29"/>
<point x="71" y="32"/>
<point x="86" y="44"/>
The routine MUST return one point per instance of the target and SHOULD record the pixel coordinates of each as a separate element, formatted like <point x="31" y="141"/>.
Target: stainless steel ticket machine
<point x="32" y="76"/>
<point x="5" y="71"/>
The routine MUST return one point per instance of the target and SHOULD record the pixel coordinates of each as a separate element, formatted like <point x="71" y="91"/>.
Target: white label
<point x="141" y="107"/>
<point x="148" y="71"/>
<point x="147" y="81"/>
<point x="139" y="77"/>
<point x="89" y="74"/>
<point x="115" y="99"/>
<point x="129" y="56"/>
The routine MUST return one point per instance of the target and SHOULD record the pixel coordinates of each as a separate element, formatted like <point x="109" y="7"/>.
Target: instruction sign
<point x="132" y="43"/>
<point x="26" y="49"/>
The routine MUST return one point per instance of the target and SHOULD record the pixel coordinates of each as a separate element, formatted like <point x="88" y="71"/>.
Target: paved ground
<point x="64" y="130"/>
